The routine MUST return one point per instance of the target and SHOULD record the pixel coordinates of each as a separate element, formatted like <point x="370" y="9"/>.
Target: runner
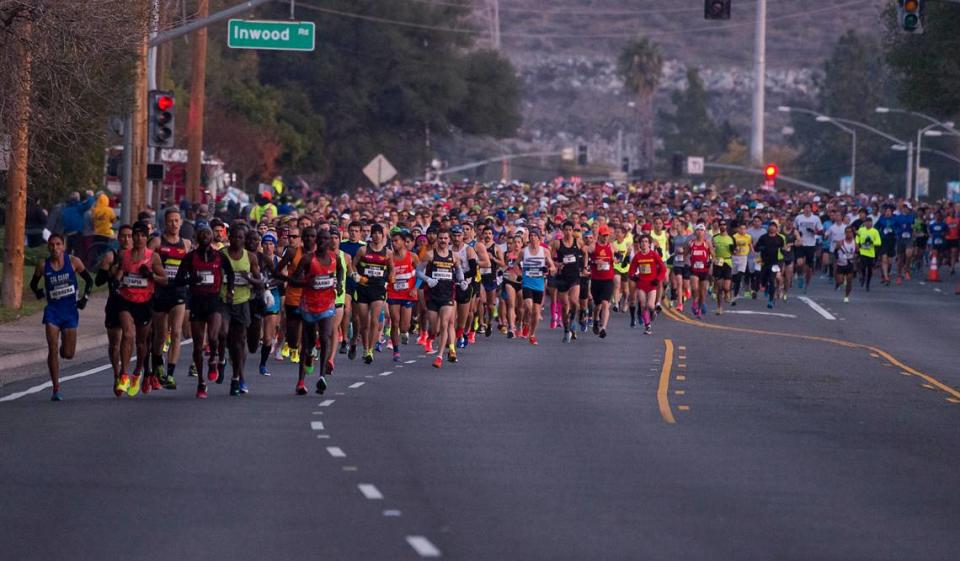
<point x="440" y="270"/>
<point x="568" y="252"/>
<point x="291" y="298"/>
<point x="808" y="226"/>
<point x="235" y="306"/>
<point x="490" y="278"/>
<point x="887" y="226"/>
<point x="205" y="272"/>
<point x="724" y="247"/>
<point x="271" y="311"/>
<point x="601" y="279"/>
<point x="536" y="264"/>
<point x="61" y="315"/>
<point x="512" y="286"/>
<point x="769" y="249"/>
<point x="111" y="321"/>
<point x="169" y="302"/>
<point x="648" y="270"/>
<point x="138" y="273"/>
<point x="372" y="270"/>
<point x="700" y="253"/>
<point x="868" y="239"/>
<point x="468" y="264"/>
<point x="846" y="253"/>
<point x="401" y="291"/>
<point x="740" y="260"/>
<point x="351" y="319"/>
<point x="791" y="254"/>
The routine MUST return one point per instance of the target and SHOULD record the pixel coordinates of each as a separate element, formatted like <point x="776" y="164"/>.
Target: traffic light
<point x="677" y="164"/>
<point x="160" y="119"/>
<point x="625" y="165"/>
<point x="770" y="174"/>
<point x="910" y="14"/>
<point x="582" y="155"/>
<point x="716" y="9"/>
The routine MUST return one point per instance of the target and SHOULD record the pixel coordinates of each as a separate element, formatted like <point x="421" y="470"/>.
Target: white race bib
<point x="442" y="274"/>
<point x="171" y="270"/>
<point x="133" y="280"/>
<point x="63" y="292"/>
<point x="324" y="282"/>
<point x="486" y="270"/>
<point x="206" y="278"/>
<point x="603" y="266"/>
<point x="568" y="259"/>
<point x="239" y="280"/>
<point x="401" y="285"/>
<point x="699" y="265"/>
<point x="373" y="272"/>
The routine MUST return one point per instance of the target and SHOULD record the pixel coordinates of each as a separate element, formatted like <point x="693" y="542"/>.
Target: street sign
<point x="568" y="154"/>
<point x="4" y="152"/>
<point x="694" y="165"/>
<point x="379" y="170"/>
<point x="846" y="185"/>
<point x="923" y="182"/>
<point x="953" y="191"/>
<point x="271" y="35"/>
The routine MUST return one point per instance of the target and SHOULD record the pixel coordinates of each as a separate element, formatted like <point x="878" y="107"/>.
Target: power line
<point x="576" y="12"/>
<point x="527" y="35"/>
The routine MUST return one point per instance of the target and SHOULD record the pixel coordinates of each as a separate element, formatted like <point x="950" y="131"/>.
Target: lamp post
<point x="821" y="118"/>
<point x="925" y="131"/>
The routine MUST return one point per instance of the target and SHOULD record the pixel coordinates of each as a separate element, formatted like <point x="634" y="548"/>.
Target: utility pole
<point x="910" y="169"/>
<point x="759" y="87"/>
<point x="197" y="99"/>
<point x="493" y="9"/>
<point x="138" y="134"/>
<point x="16" y="204"/>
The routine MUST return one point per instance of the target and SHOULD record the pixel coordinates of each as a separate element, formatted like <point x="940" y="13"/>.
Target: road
<point x="793" y="437"/>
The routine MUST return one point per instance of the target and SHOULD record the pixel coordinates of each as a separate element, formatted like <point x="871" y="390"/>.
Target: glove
<point x="355" y="276"/>
<point x="39" y="294"/>
<point x="432" y="282"/>
<point x="464" y="284"/>
<point x="145" y="271"/>
<point x="82" y="302"/>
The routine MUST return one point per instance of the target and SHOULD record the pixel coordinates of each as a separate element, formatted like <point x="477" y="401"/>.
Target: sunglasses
<point x="291" y="236"/>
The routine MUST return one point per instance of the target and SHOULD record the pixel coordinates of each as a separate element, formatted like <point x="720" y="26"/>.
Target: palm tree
<point x="640" y="65"/>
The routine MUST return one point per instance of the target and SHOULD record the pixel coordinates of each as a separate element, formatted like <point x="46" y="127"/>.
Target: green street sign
<point x="271" y="35"/>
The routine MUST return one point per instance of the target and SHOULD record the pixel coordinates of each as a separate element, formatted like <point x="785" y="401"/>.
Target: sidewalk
<point x="23" y="343"/>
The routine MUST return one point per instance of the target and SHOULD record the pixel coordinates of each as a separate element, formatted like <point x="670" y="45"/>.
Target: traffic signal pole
<point x="759" y="87"/>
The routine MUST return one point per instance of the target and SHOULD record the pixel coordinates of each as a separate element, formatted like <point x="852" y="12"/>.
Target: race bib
<point x="132" y="280"/>
<point x="373" y="272"/>
<point x="442" y="274"/>
<point x="888" y="231"/>
<point x="533" y="273"/>
<point x="569" y="259"/>
<point x="239" y="280"/>
<point x="401" y="285"/>
<point x="324" y="282"/>
<point x="63" y="292"/>
<point x="905" y="235"/>
<point x="205" y="278"/>
<point x="171" y="270"/>
<point x="603" y="266"/>
<point x="699" y="265"/>
<point x="645" y="269"/>
<point x="486" y="270"/>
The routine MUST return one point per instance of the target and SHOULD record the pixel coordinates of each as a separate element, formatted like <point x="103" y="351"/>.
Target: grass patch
<point x="30" y="304"/>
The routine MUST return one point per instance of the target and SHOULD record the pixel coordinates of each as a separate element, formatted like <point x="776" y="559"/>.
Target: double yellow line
<point x="674" y="315"/>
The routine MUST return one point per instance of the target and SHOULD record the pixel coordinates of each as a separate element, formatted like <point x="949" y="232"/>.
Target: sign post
<point x="271" y="35"/>
<point x="923" y="183"/>
<point x="379" y="170"/>
<point x="694" y="165"/>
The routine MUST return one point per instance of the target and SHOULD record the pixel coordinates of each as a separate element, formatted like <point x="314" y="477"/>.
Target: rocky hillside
<point x="565" y="51"/>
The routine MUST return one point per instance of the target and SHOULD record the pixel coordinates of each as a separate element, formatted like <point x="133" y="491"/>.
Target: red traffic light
<point x="164" y="102"/>
<point x="770" y="171"/>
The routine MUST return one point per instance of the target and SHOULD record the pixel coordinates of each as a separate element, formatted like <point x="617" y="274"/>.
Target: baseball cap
<point x="269" y="237"/>
<point x="456" y="229"/>
<point x="603" y="230"/>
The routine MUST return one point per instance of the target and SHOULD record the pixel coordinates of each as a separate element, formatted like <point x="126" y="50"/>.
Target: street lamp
<point x="925" y="131"/>
<point x="821" y="118"/>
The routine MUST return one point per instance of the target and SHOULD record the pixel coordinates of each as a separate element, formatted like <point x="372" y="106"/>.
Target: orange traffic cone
<point x="933" y="275"/>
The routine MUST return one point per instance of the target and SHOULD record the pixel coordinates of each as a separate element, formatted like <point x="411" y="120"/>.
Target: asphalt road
<point x="840" y="446"/>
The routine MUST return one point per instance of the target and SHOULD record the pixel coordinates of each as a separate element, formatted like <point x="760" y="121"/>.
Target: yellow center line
<point x="672" y="314"/>
<point x="664" y="386"/>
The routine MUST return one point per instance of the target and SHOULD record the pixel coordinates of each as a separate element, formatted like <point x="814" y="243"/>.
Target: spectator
<point x="71" y="218"/>
<point x="36" y="221"/>
<point x="264" y="205"/>
<point x="103" y="217"/>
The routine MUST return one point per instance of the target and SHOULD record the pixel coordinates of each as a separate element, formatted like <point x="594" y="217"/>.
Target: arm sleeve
<point x="422" y="271"/>
<point x="184" y="270"/>
<point x="87" y="282"/>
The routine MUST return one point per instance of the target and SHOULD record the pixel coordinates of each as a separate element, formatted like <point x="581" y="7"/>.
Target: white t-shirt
<point x="835" y="234"/>
<point x="808" y="228"/>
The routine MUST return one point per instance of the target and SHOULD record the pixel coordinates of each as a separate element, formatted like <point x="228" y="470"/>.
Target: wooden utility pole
<point x="16" y="207"/>
<point x="197" y="98"/>
<point x="139" y="133"/>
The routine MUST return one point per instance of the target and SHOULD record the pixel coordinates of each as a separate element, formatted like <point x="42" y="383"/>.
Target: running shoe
<point x="906" y="274"/>
<point x="314" y="352"/>
<point x="396" y="357"/>
<point x="123" y="384"/>
<point x="353" y="352"/>
<point x="452" y="355"/>
<point x="703" y="308"/>
<point x="404" y="338"/>
<point x="155" y="383"/>
<point x="234" y="388"/>
<point x="221" y="372"/>
<point x="343" y="348"/>
<point x="295" y="356"/>
<point x="553" y="322"/>
<point x="680" y="308"/>
<point x="510" y="334"/>
<point x="583" y="327"/>
<point x="428" y="349"/>
<point x="263" y="370"/>
<point x="171" y="383"/>
<point x="488" y="331"/>
<point x="378" y="346"/>
<point x="147" y="384"/>
<point x="596" y="329"/>
<point x="368" y="357"/>
<point x="134" y="388"/>
<point x="212" y="374"/>
<point x="648" y="330"/>
<point x="525" y="332"/>
<point x="321" y="385"/>
<point x="285" y="350"/>
<point x="277" y="355"/>
<point x="301" y="388"/>
<point x="846" y="299"/>
<point x="472" y="337"/>
<point x="719" y="311"/>
<point x="56" y="396"/>
<point x="201" y="391"/>
<point x="192" y="372"/>
<point x="308" y="368"/>
<point x="770" y="303"/>
<point x="533" y="339"/>
<point x="566" y="336"/>
<point x="603" y="333"/>
<point x="633" y="323"/>
<point x="784" y="297"/>
<point x="438" y="362"/>
<point x="243" y="387"/>
<point x="573" y="335"/>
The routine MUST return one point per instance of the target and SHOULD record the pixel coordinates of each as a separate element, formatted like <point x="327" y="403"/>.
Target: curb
<point x="12" y="369"/>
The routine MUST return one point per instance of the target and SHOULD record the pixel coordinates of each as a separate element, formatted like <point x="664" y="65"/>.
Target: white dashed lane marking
<point x="423" y="546"/>
<point x="316" y="425"/>
<point x="391" y="512"/>
<point x="816" y="307"/>
<point x="409" y="361"/>
<point x="336" y="452"/>
<point x="370" y="491"/>
<point x="326" y="403"/>
<point x="387" y="373"/>
<point x="356" y="385"/>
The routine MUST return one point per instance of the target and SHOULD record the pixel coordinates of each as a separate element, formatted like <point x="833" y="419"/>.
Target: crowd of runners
<point x="445" y="265"/>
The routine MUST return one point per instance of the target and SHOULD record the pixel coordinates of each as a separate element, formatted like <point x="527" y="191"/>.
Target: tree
<point x="690" y="129"/>
<point x="640" y="64"/>
<point x="492" y="103"/>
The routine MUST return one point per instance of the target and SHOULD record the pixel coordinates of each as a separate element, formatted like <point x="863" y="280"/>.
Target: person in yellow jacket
<point x="868" y="239"/>
<point x="102" y="216"/>
<point x="264" y="207"/>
